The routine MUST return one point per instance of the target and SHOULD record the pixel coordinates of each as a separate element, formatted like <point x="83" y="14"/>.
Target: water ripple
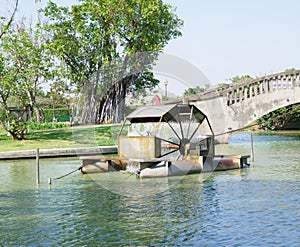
<point x="259" y="206"/>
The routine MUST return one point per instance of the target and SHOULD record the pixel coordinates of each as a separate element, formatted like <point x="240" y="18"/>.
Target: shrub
<point x="62" y="114"/>
<point x="49" y="125"/>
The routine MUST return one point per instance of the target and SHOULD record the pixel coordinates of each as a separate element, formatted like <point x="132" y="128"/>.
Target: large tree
<point x="25" y="65"/>
<point x="27" y="48"/>
<point x="108" y="47"/>
<point x="13" y="106"/>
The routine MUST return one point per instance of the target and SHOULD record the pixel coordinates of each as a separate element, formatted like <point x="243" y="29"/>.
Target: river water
<point x="258" y="206"/>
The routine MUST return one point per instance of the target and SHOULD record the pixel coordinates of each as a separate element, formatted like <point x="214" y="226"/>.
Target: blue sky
<point x="225" y="38"/>
<point x="238" y="37"/>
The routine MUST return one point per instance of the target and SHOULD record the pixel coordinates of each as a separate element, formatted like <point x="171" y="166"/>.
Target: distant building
<point x="157" y="100"/>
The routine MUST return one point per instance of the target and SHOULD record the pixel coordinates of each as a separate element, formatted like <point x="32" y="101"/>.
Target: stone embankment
<point x="59" y="152"/>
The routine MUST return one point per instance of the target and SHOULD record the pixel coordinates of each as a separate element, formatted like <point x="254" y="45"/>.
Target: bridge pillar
<point x="228" y="97"/>
<point x="241" y="94"/>
<point x="261" y="87"/>
<point x="279" y="83"/>
<point x="251" y="91"/>
<point x="272" y="84"/>
<point x="235" y="95"/>
<point x="297" y="81"/>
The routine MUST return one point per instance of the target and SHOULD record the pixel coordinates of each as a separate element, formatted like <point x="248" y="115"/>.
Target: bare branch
<point x="10" y="20"/>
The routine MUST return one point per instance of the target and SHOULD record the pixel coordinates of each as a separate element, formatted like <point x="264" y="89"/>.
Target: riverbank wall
<point x="59" y="152"/>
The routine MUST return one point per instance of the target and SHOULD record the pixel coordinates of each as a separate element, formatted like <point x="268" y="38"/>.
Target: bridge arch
<point x="237" y="105"/>
<point x="253" y="99"/>
<point x="282" y="120"/>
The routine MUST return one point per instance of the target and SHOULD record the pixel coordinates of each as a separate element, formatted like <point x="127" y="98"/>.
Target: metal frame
<point x="178" y="120"/>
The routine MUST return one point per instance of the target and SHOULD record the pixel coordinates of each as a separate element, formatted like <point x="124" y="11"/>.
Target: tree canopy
<point x="242" y="78"/>
<point x="26" y="65"/>
<point x="104" y="49"/>
<point x="108" y="47"/>
<point x="195" y="90"/>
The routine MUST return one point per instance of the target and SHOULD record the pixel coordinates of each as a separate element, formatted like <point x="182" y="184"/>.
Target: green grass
<point x="84" y="136"/>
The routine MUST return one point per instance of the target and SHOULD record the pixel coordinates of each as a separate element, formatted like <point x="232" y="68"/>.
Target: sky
<point x="225" y="38"/>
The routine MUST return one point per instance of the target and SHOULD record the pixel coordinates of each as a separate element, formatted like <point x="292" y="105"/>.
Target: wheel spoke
<point x="178" y="156"/>
<point x="195" y="131"/>
<point x="191" y="115"/>
<point x="180" y="124"/>
<point x="173" y="151"/>
<point x="174" y="143"/>
<point x="173" y="130"/>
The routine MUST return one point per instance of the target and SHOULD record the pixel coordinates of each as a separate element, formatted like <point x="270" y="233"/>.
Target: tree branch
<point x="10" y="20"/>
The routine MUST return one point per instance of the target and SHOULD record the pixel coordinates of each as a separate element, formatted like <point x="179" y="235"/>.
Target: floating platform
<point x="148" y="168"/>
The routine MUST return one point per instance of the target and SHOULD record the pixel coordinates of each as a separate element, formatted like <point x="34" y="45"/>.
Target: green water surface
<point x="259" y="206"/>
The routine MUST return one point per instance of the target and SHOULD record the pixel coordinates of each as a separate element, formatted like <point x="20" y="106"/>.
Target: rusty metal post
<point x="252" y="149"/>
<point x="37" y="166"/>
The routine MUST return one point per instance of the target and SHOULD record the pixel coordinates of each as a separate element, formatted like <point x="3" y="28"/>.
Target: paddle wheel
<point x="167" y="140"/>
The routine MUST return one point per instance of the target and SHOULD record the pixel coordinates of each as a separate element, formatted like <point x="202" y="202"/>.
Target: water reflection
<point x="239" y="207"/>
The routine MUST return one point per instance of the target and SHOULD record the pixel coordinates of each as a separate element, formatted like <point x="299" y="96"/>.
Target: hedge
<point x="61" y="114"/>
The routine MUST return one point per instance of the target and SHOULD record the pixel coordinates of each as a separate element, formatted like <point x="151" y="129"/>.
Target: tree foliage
<point x="98" y="45"/>
<point x="279" y="118"/>
<point x="26" y="65"/>
<point x="193" y="91"/>
<point x="108" y="47"/>
<point x="237" y="79"/>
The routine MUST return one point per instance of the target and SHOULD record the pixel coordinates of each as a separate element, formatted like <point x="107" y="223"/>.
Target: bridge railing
<point x="238" y="92"/>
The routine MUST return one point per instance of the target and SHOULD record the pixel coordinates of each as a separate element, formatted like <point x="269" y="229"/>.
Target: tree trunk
<point x="37" y="111"/>
<point x="103" y="101"/>
<point x="112" y="106"/>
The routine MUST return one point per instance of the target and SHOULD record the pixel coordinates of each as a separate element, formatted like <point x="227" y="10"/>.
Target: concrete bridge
<point x="237" y="105"/>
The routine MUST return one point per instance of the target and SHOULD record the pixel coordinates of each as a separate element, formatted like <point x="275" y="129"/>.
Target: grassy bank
<point x="82" y="136"/>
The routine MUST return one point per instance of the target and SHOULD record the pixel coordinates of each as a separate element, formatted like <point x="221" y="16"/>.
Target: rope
<point x="232" y="131"/>
<point x="50" y="180"/>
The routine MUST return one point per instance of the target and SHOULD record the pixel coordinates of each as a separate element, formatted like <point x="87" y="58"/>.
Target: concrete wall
<point x="217" y="113"/>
